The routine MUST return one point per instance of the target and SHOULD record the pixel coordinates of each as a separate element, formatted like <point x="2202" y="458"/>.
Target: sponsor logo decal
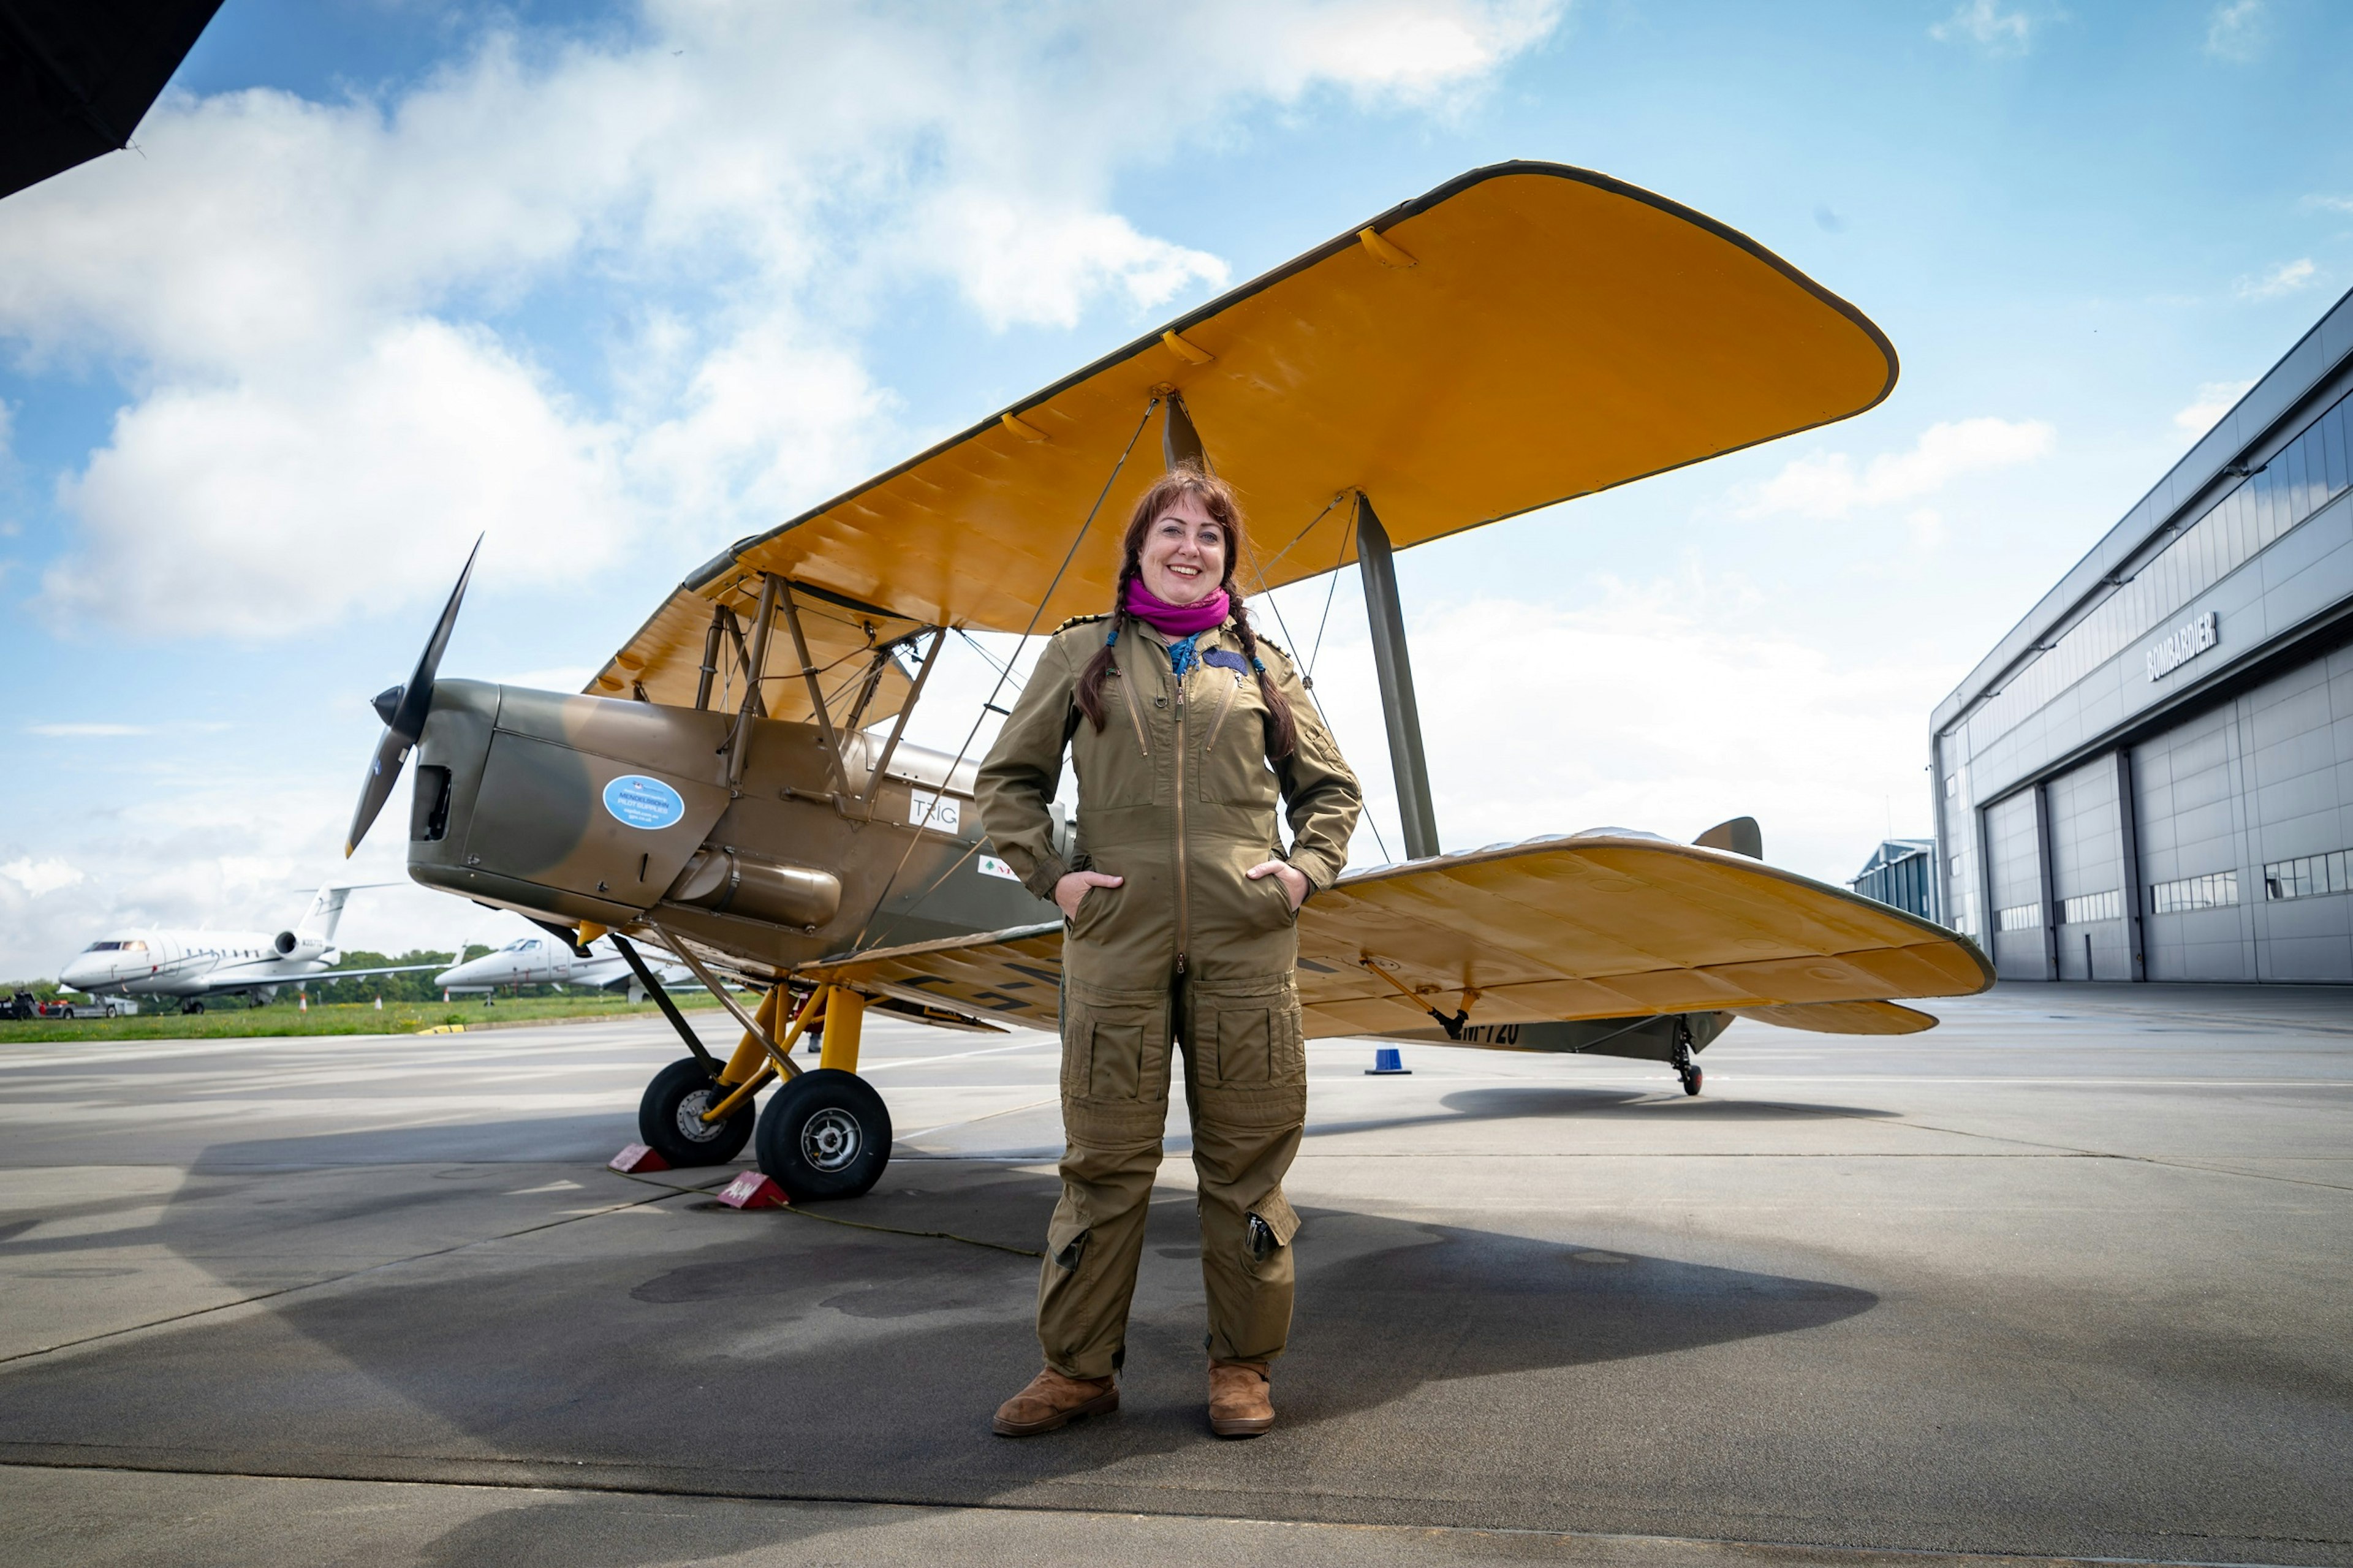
<point x="2187" y="641"/>
<point x="637" y="801"/>
<point x="990" y="866"/>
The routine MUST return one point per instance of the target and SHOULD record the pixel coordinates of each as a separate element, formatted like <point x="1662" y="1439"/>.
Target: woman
<point x="1179" y="907"/>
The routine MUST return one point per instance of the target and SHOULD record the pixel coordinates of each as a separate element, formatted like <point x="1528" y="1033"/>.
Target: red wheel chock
<point x="753" y="1191"/>
<point x="637" y="1157"/>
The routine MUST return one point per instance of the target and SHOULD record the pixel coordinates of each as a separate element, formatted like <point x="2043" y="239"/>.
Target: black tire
<point x="193" y="1007"/>
<point x="826" y="1134"/>
<point x="669" y="1118"/>
<point x="1693" y="1078"/>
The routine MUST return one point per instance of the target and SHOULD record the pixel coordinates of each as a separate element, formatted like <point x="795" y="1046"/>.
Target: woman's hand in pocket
<point x="1074" y="887"/>
<point x="1294" y="881"/>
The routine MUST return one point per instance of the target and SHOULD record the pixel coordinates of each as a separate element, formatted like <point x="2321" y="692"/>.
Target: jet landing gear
<point x="1686" y="1068"/>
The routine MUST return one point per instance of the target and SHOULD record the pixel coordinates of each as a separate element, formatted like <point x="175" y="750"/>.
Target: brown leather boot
<point x="1241" y="1401"/>
<point x="1052" y="1401"/>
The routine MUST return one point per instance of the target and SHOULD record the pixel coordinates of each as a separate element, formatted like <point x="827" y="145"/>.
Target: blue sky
<point x="621" y="284"/>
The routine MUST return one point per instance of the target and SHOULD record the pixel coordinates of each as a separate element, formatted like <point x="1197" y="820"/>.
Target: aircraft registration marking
<point x="944" y="813"/>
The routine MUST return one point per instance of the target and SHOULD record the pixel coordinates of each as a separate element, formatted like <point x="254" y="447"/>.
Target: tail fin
<point x="1741" y="836"/>
<point x="327" y="909"/>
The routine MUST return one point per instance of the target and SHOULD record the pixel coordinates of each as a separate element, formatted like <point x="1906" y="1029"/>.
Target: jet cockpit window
<point x="522" y="944"/>
<point x="134" y="947"/>
<point x="103" y="947"/>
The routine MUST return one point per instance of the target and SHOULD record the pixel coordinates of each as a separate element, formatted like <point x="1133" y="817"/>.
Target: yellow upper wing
<point x="1598" y="926"/>
<point x="1523" y="334"/>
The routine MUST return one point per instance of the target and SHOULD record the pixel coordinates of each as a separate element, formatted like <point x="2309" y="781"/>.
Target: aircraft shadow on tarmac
<point x="788" y="1356"/>
<point x="1554" y="1101"/>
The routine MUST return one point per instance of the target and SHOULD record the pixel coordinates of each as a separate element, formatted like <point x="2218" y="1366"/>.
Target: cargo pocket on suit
<point x="1115" y="1048"/>
<point x="1252" y="1033"/>
<point x="1066" y="1241"/>
<point x="1273" y="1223"/>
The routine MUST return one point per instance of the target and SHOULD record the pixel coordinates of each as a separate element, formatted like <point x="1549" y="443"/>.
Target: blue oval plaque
<point x="637" y="801"/>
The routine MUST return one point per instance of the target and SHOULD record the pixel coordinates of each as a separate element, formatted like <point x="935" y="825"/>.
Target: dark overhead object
<point x="77" y="76"/>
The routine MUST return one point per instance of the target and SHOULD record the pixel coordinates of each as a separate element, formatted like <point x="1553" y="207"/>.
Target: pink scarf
<point x="1176" y="620"/>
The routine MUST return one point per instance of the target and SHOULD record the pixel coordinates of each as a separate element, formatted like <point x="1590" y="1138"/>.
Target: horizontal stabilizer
<point x="1844" y="1017"/>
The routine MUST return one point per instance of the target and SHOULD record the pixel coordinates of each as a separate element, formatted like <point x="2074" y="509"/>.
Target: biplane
<point x="734" y="785"/>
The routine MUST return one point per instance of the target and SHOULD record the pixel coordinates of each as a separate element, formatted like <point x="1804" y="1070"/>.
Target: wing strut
<point x="1395" y="671"/>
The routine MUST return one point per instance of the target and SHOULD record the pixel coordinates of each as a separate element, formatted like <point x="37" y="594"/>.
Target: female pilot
<point x="1187" y="733"/>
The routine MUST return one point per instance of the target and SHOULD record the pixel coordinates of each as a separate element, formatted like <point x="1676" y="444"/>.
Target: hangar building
<point x="2151" y="776"/>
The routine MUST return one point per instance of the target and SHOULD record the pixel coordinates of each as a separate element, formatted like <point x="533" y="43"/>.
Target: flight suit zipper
<point x="1184" y="909"/>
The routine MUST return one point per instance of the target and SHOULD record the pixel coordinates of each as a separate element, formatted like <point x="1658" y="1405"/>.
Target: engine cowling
<point x="293" y="944"/>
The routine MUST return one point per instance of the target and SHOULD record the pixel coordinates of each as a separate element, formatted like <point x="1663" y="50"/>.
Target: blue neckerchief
<point x="1182" y="655"/>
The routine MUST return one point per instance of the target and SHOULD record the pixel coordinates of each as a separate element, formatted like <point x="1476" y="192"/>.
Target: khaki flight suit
<point x="1178" y="795"/>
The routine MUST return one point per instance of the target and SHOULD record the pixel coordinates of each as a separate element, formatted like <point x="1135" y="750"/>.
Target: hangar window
<point x="2019" y="916"/>
<point x="2309" y="875"/>
<point x="2087" y="907"/>
<point x="2214" y="890"/>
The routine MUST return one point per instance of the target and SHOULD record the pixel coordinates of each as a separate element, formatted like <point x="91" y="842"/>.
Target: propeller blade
<point x="417" y="699"/>
<point x="403" y="709"/>
<point x="384" y="772"/>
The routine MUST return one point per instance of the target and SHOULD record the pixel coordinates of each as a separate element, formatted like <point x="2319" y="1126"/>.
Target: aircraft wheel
<point x="669" y="1117"/>
<point x="1692" y="1077"/>
<point x="192" y="1008"/>
<point x="826" y="1134"/>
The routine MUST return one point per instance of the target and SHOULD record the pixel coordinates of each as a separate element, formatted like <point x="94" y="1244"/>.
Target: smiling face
<point x="1184" y="555"/>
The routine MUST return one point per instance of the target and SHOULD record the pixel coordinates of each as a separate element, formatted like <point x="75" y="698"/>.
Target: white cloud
<point x="79" y="731"/>
<point x="313" y="300"/>
<point x="295" y="501"/>
<point x="1984" y="24"/>
<point x="2287" y="278"/>
<point x="38" y="878"/>
<point x="2215" y="398"/>
<point x="2236" y="30"/>
<point x="1828" y="485"/>
<point x="2327" y="204"/>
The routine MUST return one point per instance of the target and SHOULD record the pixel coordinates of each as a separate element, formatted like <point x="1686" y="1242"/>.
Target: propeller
<point x="403" y="709"/>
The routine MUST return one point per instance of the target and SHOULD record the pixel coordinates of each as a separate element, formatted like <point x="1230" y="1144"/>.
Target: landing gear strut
<point x="1686" y="1068"/>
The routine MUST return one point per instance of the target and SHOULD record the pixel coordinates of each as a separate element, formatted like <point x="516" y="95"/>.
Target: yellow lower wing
<point x="1598" y="926"/>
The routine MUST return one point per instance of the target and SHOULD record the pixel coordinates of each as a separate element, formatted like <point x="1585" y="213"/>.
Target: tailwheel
<point x="669" y="1117"/>
<point x="826" y="1134"/>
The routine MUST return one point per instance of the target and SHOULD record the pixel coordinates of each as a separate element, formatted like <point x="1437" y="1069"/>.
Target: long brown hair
<point x="1217" y="498"/>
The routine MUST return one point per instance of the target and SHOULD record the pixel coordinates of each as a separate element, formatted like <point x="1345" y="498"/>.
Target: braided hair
<point x="1217" y="498"/>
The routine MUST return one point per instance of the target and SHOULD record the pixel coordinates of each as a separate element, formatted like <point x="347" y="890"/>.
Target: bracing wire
<point x="1005" y="674"/>
<point x="1309" y="683"/>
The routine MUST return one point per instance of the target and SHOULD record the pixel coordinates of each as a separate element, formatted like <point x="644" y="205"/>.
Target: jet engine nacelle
<point x="290" y="944"/>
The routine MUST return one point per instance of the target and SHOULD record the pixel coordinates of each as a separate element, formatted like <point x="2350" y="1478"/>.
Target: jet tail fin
<point x="327" y="909"/>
